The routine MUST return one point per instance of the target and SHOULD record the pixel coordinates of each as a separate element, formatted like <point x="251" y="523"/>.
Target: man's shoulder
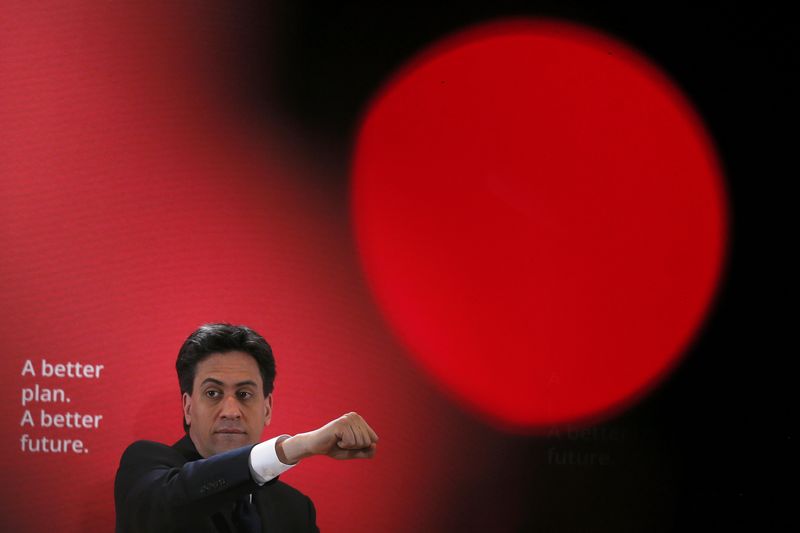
<point x="285" y="490"/>
<point x="285" y="495"/>
<point x="148" y="450"/>
<point x="285" y="505"/>
<point x="146" y="445"/>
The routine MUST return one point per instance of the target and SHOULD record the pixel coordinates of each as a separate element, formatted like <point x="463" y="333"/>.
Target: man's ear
<point x="187" y="408"/>
<point x="267" y="409"/>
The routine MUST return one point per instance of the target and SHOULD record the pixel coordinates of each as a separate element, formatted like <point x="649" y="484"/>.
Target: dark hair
<point x="209" y="339"/>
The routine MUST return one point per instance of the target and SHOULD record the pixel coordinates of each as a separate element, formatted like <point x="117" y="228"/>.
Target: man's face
<point x="227" y="408"/>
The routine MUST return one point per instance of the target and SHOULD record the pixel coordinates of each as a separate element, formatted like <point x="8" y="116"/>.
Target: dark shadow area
<point x="696" y="449"/>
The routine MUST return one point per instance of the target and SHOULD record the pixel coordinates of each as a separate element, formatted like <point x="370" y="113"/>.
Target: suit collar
<point x="186" y="447"/>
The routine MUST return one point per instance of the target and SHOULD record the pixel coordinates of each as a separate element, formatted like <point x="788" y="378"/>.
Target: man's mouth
<point x="233" y="431"/>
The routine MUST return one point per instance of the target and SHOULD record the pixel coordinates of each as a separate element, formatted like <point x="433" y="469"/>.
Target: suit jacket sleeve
<point x="156" y="489"/>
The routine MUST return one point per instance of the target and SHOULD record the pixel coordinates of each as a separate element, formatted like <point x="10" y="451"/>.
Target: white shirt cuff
<point x="264" y="462"/>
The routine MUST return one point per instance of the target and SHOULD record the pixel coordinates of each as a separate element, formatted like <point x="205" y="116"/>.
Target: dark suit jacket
<point x="172" y="489"/>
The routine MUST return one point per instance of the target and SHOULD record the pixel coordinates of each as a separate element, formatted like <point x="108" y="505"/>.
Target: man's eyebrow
<point x="222" y="384"/>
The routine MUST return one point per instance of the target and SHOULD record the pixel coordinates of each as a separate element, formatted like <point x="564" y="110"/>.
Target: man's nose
<point x="230" y="408"/>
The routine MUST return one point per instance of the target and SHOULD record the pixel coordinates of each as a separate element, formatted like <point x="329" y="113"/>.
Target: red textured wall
<point x="136" y="206"/>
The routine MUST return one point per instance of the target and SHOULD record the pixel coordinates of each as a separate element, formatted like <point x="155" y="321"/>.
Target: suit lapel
<point x="185" y="447"/>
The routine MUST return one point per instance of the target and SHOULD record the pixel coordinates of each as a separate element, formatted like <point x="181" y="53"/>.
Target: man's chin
<point x="224" y="442"/>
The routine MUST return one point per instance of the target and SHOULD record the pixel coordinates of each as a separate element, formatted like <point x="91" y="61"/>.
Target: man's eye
<point x="244" y="395"/>
<point x="213" y="394"/>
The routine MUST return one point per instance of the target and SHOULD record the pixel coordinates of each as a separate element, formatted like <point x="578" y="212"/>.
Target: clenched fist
<point x="347" y="437"/>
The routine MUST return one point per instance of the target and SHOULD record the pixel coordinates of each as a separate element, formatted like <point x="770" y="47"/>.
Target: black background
<point x="712" y="447"/>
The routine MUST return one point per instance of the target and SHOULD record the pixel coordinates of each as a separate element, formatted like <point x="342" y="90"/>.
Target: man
<point x="219" y="477"/>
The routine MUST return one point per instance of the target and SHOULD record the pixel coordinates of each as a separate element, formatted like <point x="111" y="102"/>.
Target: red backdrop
<point x="140" y="199"/>
<point x="134" y="209"/>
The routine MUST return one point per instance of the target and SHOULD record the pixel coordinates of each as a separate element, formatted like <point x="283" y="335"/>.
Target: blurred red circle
<point x="541" y="217"/>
